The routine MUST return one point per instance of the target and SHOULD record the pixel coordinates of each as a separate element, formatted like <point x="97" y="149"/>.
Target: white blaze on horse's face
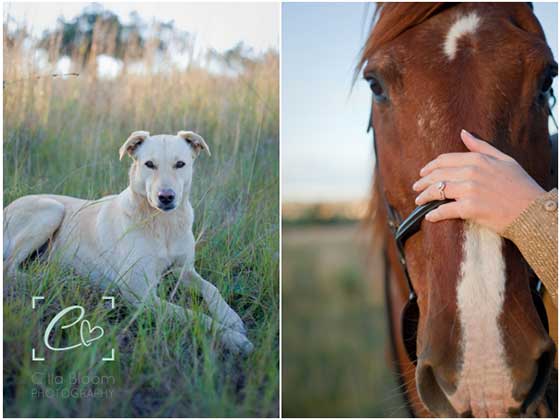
<point x="485" y="385"/>
<point x="464" y="25"/>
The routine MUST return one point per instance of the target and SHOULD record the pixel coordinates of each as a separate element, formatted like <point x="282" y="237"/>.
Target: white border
<point x="280" y="31"/>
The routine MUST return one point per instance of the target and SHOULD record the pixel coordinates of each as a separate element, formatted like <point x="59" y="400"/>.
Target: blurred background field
<point x="334" y="351"/>
<point x="334" y="338"/>
<point x="73" y="92"/>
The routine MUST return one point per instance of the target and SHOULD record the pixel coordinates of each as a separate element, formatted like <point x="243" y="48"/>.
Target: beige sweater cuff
<point x="535" y="233"/>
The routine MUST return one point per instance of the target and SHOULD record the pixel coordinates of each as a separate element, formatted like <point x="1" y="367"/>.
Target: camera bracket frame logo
<point x="88" y="333"/>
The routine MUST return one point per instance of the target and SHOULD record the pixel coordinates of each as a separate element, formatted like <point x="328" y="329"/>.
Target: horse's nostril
<point x="431" y="393"/>
<point x="166" y="196"/>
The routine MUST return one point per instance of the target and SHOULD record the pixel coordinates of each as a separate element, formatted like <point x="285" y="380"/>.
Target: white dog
<point x="130" y="239"/>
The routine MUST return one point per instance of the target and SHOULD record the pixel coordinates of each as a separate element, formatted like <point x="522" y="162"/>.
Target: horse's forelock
<point x="395" y="18"/>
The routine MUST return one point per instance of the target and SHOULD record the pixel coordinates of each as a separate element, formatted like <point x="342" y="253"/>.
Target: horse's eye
<point x="150" y="164"/>
<point x="179" y="164"/>
<point x="376" y="88"/>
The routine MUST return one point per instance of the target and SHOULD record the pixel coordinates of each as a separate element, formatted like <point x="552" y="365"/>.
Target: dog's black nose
<point x="166" y="196"/>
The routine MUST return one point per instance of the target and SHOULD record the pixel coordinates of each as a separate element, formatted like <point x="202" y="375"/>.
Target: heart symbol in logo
<point x="92" y="334"/>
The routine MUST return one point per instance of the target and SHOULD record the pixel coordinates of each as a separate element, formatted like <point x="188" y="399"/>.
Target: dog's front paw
<point x="236" y="342"/>
<point x="234" y="322"/>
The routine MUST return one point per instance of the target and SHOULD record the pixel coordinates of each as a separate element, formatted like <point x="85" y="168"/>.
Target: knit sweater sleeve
<point x="535" y="233"/>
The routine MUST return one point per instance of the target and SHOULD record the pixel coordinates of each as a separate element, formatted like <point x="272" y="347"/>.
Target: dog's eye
<point x="150" y="164"/>
<point x="179" y="164"/>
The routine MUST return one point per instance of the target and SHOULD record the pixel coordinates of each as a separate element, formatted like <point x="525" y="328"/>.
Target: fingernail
<point x="430" y="216"/>
<point x="415" y="185"/>
<point x="417" y="200"/>
<point x="422" y="171"/>
<point x="468" y="133"/>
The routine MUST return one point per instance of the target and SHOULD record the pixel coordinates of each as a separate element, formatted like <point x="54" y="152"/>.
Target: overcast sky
<point x="217" y="25"/>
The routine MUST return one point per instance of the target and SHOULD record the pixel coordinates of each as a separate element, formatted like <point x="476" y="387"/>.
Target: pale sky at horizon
<point x="327" y="154"/>
<point x="217" y="25"/>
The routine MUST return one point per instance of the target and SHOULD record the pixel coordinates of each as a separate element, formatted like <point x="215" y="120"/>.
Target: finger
<point x="453" y="160"/>
<point x="480" y="152"/>
<point x="453" y="190"/>
<point x="452" y="210"/>
<point x="444" y="174"/>
<point x="480" y="146"/>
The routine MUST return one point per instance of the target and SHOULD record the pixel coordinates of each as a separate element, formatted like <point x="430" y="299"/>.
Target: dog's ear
<point x="195" y="141"/>
<point x="132" y="143"/>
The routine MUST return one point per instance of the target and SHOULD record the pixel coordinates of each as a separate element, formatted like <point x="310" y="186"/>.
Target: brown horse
<point x="482" y="349"/>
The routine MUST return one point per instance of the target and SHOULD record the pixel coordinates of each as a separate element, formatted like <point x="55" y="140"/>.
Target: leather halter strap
<point x="405" y="229"/>
<point x="411" y="224"/>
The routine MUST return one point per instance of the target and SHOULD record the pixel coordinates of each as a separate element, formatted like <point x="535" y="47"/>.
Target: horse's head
<point x="435" y="69"/>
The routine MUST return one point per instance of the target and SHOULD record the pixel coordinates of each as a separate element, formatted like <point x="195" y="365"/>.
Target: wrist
<point x="517" y="207"/>
<point x="544" y="207"/>
<point x="530" y="196"/>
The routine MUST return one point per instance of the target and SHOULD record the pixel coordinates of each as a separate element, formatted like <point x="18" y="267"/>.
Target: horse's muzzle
<point x="437" y="387"/>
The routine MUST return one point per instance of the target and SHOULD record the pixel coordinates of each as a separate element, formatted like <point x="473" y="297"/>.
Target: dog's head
<point x="162" y="166"/>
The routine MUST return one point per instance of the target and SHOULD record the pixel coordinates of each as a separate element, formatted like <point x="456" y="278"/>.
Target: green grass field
<point x="62" y="137"/>
<point x="334" y="361"/>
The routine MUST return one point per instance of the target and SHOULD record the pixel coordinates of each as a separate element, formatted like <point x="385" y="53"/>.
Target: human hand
<point x="488" y="186"/>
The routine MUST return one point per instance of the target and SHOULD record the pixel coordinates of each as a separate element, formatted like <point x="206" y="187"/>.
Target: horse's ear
<point x="195" y="141"/>
<point x="132" y="143"/>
